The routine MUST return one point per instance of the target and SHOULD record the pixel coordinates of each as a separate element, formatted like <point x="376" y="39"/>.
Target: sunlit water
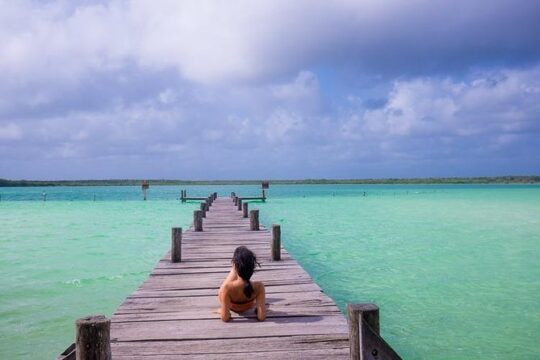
<point x="454" y="269"/>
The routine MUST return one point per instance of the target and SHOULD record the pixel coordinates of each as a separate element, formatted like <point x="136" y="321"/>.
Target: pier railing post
<point x="235" y="200"/>
<point x="232" y="194"/>
<point x="203" y="209"/>
<point x="254" y="220"/>
<point x="215" y="195"/>
<point x="176" y="244"/>
<point x="239" y="204"/>
<point x="197" y="220"/>
<point x="364" y="334"/>
<point x="245" y="210"/>
<point x="276" y="242"/>
<point x="93" y="338"/>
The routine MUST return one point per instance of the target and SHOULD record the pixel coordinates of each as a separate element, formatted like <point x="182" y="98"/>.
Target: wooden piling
<point x="93" y="338"/>
<point x="197" y="220"/>
<point x="245" y="210"/>
<point x="254" y="220"/>
<point x="215" y="195"/>
<point x="145" y="186"/>
<point x="239" y="204"/>
<point x="176" y="244"/>
<point x="203" y="209"/>
<point x="365" y="341"/>
<point x="235" y="199"/>
<point x="354" y="332"/>
<point x="276" y="242"/>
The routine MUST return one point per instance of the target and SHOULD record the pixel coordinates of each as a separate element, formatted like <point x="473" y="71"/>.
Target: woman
<point x="238" y="293"/>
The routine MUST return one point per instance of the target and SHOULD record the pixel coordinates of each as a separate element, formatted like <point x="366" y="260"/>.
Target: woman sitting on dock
<point x="238" y="293"/>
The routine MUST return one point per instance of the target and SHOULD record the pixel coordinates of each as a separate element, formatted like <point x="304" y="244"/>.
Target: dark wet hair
<point x="244" y="261"/>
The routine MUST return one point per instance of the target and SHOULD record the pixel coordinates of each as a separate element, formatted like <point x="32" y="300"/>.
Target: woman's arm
<point x="225" y="300"/>
<point x="261" y="302"/>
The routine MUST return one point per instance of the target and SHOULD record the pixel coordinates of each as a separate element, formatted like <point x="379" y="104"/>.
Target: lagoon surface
<point x="455" y="269"/>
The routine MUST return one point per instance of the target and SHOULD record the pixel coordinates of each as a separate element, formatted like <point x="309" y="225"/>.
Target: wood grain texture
<point x="93" y="338"/>
<point x="172" y="314"/>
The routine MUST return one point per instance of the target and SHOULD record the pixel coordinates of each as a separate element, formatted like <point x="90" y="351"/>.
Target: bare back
<point x="232" y="297"/>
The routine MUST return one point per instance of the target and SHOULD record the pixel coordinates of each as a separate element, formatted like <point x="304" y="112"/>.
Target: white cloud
<point x="10" y="131"/>
<point x="283" y="126"/>
<point x="305" y="85"/>
<point x="497" y="103"/>
<point x="167" y="96"/>
<point x="167" y="148"/>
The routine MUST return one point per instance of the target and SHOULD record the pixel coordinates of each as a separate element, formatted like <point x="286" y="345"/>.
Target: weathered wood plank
<point x="223" y="346"/>
<point x="208" y="292"/>
<point x="271" y="355"/>
<point x="313" y="298"/>
<point x="238" y="328"/>
<point x="196" y="314"/>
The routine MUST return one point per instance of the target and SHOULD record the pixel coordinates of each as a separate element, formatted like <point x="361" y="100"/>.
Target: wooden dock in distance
<point x="171" y="314"/>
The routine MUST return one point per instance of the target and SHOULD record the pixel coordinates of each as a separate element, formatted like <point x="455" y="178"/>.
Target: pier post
<point x="93" y="338"/>
<point x="364" y="334"/>
<point x="203" y="209"/>
<point x="235" y="200"/>
<point x="215" y="195"/>
<point x="209" y="201"/>
<point x="197" y="220"/>
<point x="276" y="242"/>
<point x="176" y="244"/>
<point x="245" y="210"/>
<point x="232" y="194"/>
<point x="239" y="204"/>
<point x="254" y="220"/>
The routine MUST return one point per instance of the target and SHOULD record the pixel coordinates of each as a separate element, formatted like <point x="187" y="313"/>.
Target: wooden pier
<point x="172" y="314"/>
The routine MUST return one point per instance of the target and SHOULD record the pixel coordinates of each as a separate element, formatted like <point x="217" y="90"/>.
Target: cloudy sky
<point x="269" y="89"/>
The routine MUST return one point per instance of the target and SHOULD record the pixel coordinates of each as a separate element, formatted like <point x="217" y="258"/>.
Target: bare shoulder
<point x="226" y="287"/>
<point x="258" y="286"/>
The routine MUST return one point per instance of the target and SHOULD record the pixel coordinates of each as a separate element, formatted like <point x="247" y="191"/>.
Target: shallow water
<point x="454" y="268"/>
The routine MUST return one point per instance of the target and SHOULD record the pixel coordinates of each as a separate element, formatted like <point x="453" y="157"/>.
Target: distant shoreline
<point x="157" y="182"/>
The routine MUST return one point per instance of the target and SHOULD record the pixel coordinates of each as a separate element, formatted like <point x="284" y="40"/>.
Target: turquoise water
<point x="454" y="269"/>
